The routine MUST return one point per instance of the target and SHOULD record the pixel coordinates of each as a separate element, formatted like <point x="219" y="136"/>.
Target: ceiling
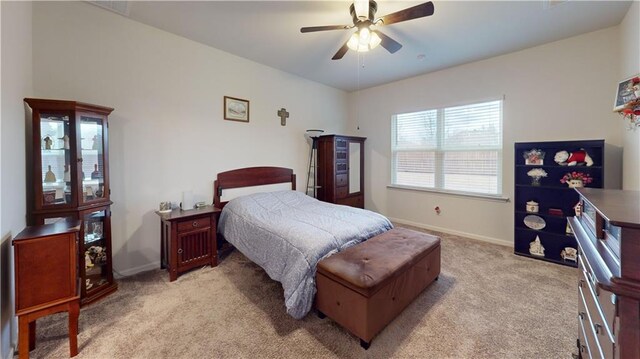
<point x="268" y="32"/>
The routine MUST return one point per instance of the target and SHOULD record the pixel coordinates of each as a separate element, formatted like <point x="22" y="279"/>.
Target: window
<point x="448" y="149"/>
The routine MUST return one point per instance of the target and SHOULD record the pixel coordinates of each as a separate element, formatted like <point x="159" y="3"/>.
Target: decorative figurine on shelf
<point x="100" y="190"/>
<point x="65" y="142"/>
<point x="97" y="142"/>
<point x="98" y="254"/>
<point x="536" y="174"/>
<point x="578" y="209"/>
<point x="532" y="207"/>
<point x="87" y="260"/>
<point x="575" y="158"/>
<point x="536" y="248"/>
<point x="89" y="284"/>
<point x="49" y="197"/>
<point x="569" y="254"/>
<point x="534" y="157"/>
<point x="97" y="229"/>
<point x="47" y="142"/>
<point x="576" y="179"/>
<point x="88" y="193"/>
<point x="67" y="174"/>
<point x="49" y="177"/>
<point x="96" y="174"/>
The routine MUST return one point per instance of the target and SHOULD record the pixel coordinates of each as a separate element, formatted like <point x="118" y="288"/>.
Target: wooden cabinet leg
<point x="74" y="312"/>
<point x="32" y="335"/>
<point x="23" y="337"/>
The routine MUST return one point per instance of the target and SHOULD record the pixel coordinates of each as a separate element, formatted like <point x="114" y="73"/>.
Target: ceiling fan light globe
<point x="365" y="35"/>
<point x="354" y="42"/>
<point x="363" y="48"/>
<point x="374" y="40"/>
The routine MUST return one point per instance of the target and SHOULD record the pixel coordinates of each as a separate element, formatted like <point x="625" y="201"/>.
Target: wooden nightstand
<point x="188" y="239"/>
<point x="46" y="261"/>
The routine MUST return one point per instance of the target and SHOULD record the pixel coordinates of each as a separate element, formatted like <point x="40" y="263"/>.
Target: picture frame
<point x="624" y="93"/>
<point x="236" y="109"/>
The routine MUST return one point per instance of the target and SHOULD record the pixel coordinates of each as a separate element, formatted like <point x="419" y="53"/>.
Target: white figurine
<point x="65" y="140"/>
<point x="536" y="248"/>
<point x="569" y="254"/>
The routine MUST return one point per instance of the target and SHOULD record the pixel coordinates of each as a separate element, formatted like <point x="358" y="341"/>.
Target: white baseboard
<point x="454" y="232"/>
<point x="136" y="270"/>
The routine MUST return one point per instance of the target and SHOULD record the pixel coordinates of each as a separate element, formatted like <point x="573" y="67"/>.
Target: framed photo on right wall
<point x="627" y="91"/>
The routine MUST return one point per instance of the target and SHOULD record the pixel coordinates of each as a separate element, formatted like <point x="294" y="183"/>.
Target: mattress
<point x="287" y="233"/>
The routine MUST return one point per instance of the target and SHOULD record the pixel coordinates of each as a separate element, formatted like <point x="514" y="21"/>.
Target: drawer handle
<point x="598" y="329"/>
<point x="195" y="223"/>
<point x="180" y="251"/>
<point x="581" y="283"/>
<point x="581" y="315"/>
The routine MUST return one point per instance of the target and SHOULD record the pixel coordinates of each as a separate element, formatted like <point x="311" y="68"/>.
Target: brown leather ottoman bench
<point x="364" y="287"/>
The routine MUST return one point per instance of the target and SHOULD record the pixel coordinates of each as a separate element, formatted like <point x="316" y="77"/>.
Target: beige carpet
<point x="488" y="303"/>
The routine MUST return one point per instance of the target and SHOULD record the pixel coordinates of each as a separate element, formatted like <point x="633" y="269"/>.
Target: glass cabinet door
<point x="92" y="159"/>
<point x="56" y="165"/>
<point x="95" y="248"/>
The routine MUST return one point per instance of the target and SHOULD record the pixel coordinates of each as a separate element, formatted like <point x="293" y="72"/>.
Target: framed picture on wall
<point x="236" y="109"/>
<point x="626" y="92"/>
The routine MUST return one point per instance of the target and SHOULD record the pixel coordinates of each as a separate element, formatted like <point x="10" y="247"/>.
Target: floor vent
<point x="120" y="7"/>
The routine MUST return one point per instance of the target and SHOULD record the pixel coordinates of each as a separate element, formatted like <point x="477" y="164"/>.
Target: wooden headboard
<point x="249" y="177"/>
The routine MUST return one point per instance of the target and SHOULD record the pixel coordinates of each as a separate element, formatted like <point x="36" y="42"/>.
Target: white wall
<point x="630" y="66"/>
<point x="167" y="133"/>
<point x="558" y="91"/>
<point x="17" y="83"/>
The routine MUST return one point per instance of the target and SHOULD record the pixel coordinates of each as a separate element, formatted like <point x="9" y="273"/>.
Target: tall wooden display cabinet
<point x="68" y="176"/>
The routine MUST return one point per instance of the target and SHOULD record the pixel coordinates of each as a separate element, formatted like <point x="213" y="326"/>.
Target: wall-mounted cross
<point x="283" y="114"/>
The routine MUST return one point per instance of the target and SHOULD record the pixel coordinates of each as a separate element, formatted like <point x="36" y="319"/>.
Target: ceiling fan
<point x="364" y="39"/>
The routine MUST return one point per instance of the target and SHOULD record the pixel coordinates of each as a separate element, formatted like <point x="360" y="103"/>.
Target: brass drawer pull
<point x="598" y="329"/>
<point x="195" y="223"/>
<point x="180" y="251"/>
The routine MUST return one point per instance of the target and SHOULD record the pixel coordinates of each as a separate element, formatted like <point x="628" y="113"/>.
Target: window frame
<point x="439" y="151"/>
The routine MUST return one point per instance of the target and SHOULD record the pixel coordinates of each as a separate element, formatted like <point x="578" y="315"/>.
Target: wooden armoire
<point x="341" y="170"/>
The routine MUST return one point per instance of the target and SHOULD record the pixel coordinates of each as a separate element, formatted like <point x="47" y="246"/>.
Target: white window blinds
<point x="451" y="149"/>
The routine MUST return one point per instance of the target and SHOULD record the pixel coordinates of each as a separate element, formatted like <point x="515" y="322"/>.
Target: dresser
<point x="607" y="230"/>
<point x="341" y="170"/>
<point x="188" y="239"/>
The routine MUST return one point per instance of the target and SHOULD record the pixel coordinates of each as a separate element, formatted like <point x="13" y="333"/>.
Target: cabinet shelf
<point x="541" y="214"/>
<point x="566" y="263"/>
<point x="559" y="166"/>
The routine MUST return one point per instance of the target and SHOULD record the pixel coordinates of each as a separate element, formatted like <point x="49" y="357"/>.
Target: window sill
<point x="498" y="198"/>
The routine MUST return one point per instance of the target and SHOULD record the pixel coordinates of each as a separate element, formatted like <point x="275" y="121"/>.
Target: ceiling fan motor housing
<point x="373" y="7"/>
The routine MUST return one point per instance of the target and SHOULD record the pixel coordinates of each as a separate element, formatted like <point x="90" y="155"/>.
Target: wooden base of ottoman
<point x="365" y="311"/>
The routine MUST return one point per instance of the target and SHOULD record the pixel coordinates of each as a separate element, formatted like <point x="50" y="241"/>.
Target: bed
<point x="287" y="232"/>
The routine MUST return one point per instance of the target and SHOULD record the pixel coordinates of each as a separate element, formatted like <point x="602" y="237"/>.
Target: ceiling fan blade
<point x="343" y="50"/>
<point x="388" y="43"/>
<point x="324" y="28"/>
<point x="411" y="13"/>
